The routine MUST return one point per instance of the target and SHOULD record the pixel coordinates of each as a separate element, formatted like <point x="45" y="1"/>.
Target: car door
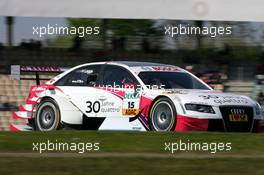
<point x="80" y="88"/>
<point x="118" y="93"/>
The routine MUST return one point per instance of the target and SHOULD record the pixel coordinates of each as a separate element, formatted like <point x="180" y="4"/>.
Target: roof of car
<point x="137" y="66"/>
<point x="138" y="63"/>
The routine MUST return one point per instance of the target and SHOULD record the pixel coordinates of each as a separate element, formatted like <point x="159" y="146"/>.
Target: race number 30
<point x="93" y="106"/>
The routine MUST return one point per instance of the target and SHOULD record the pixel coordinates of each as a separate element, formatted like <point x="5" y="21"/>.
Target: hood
<point x="209" y="97"/>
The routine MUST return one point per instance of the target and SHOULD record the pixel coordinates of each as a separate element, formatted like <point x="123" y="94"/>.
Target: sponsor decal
<point x="86" y="71"/>
<point x="238" y="115"/>
<point x="176" y="92"/>
<point x="164" y="68"/>
<point x="110" y="109"/>
<point x="132" y="95"/>
<point x="232" y="100"/>
<point x="206" y="97"/>
<point x="225" y="99"/>
<point x="130" y="111"/>
<point x="160" y="68"/>
<point x="199" y="103"/>
<point x="108" y="106"/>
<point x="131" y="103"/>
<point x="137" y="128"/>
<point x="38" y="88"/>
<point x="37" y="68"/>
<point x="107" y="103"/>
<point x="77" y="81"/>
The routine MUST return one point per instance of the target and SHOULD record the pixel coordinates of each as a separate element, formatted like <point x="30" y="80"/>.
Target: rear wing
<point x="18" y="70"/>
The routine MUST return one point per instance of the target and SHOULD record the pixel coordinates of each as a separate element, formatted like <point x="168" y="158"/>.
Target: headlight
<point x="200" y="108"/>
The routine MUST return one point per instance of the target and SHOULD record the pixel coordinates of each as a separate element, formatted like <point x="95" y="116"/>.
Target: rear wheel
<point x="162" y="115"/>
<point x="47" y="116"/>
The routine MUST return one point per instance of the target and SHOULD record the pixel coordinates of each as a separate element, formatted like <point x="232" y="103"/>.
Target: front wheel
<point x="162" y="115"/>
<point x="47" y="116"/>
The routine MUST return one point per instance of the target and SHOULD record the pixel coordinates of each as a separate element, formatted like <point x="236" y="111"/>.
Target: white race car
<point x="138" y="96"/>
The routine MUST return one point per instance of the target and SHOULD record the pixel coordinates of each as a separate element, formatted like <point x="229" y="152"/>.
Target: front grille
<point x="237" y="126"/>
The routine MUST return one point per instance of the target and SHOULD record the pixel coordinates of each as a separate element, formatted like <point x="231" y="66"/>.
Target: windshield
<point x="171" y="80"/>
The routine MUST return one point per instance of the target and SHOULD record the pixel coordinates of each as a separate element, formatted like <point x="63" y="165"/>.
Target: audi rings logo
<point x="237" y="111"/>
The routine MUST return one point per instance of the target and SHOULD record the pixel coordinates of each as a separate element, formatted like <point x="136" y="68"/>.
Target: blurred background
<point x="232" y="63"/>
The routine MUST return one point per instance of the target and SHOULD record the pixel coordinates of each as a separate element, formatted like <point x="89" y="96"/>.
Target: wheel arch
<point x="47" y="98"/>
<point x="50" y="98"/>
<point x="56" y="105"/>
<point x="157" y="98"/>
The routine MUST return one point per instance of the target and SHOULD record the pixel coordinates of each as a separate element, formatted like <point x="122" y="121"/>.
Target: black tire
<point x="162" y="116"/>
<point x="47" y="116"/>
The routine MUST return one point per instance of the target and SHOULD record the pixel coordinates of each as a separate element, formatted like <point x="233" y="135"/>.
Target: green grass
<point x="251" y="145"/>
<point x="132" y="166"/>
<point x="151" y="142"/>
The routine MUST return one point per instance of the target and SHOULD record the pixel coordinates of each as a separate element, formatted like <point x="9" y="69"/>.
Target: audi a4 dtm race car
<point x="132" y="96"/>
